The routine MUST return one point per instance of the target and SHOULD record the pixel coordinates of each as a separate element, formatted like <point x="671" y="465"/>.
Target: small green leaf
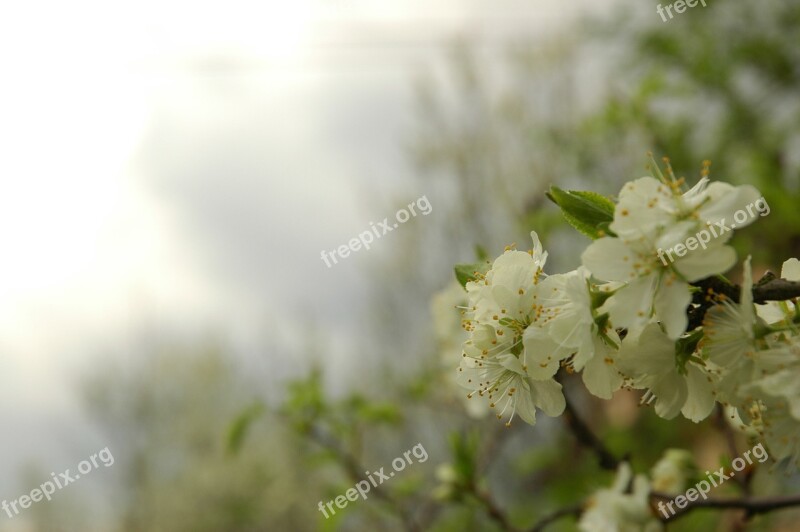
<point x="380" y="413"/>
<point x="588" y="212"/>
<point x="241" y="425"/>
<point x="471" y="272"/>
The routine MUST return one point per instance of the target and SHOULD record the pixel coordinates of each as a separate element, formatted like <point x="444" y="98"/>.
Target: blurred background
<point x="171" y="171"/>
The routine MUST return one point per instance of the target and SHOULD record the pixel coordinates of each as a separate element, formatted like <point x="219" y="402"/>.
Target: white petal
<point x="643" y="207"/>
<point x="700" y="400"/>
<point x="671" y="392"/>
<point x="702" y="263"/>
<point x="539" y="255"/>
<point x="511" y="363"/>
<point x="542" y="354"/>
<point x="671" y="300"/>
<point x="726" y="200"/>
<point x="601" y="375"/>
<point x="548" y="397"/>
<point x="746" y="296"/>
<point x="631" y="306"/>
<point x="610" y="259"/>
<point x="791" y="270"/>
<point x="784" y="384"/>
<point x="675" y="234"/>
<point x="525" y="405"/>
<point x="652" y="354"/>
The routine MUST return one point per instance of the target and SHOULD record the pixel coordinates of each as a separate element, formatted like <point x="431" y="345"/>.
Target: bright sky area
<point x="178" y="166"/>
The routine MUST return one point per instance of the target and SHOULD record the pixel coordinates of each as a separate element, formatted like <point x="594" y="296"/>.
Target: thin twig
<point x="586" y="437"/>
<point x="355" y="471"/>
<point x="766" y="289"/>
<point x="772" y="290"/>
<point x="500" y="434"/>
<point x="492" y="510"/>
<point x="724" y="427"/>
<point x="752" y="506"/>
<point x="574" y="511"/>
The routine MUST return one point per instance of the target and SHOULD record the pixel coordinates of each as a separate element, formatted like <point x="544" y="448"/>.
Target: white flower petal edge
<point x="613" y="509"/>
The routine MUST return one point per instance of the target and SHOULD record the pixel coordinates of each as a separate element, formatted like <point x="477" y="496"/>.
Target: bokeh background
<point x="171" y="171"/>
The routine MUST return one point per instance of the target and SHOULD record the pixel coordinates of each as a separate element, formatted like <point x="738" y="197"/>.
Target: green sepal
<point x="588" y="212"/>
<point x="471" y="272"/>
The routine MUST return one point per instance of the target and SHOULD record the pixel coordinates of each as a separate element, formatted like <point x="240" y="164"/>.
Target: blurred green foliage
<point x="723" y="83"/>
<point x="168" y="419"/>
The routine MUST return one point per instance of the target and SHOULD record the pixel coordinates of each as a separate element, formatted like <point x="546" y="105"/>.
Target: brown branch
<point x="499" y="436"/>
<point x="574" y="511"/>
<point x="721" y="424"/>
<point x="751" y="505"/>
<point x="585" y="436"/>
<point x="355" y="471"/>
<point x="763" y="291"/>
<point x="712" y="288"/>
<point x="492" y="510"/>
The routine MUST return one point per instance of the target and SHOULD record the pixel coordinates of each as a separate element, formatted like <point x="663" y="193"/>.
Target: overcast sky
<point x="177" y="167"/>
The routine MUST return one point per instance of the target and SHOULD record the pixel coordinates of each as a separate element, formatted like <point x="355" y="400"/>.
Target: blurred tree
<point x="168" y="419"/>
<point x="581" y="112"/>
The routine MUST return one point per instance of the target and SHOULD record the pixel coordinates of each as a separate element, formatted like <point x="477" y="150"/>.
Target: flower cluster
<point x="621" y="508"/>
<point x="626" y="505"/>
<point x="622" y="319"/>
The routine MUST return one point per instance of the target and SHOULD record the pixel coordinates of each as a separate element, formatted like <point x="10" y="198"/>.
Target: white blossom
<point x="502" y="304"/>
<point x="650" y="216"/>
<point x="615" y="510"/>
<point x="569" y="320"/>
<point x="651" y="363"/>
<point x="445" y="311"/>
<point x="672" y="472"/>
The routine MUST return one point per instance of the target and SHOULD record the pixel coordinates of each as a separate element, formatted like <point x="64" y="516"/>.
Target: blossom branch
<point x="751" y="505"/>
<point x="491" y="508"/>
<point x="767" y="289"/>
<point x="721" y="424"/>
<point x="585" y="436"/>
<point x="354" y="470"/>
<point x="574" y="511"/>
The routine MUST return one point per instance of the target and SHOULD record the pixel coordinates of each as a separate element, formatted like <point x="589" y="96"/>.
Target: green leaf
<point x="380" y="413"/>
<point x="471" y="272"/>
<point x="588" y="212"/>
<point x="241" y="425"/>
